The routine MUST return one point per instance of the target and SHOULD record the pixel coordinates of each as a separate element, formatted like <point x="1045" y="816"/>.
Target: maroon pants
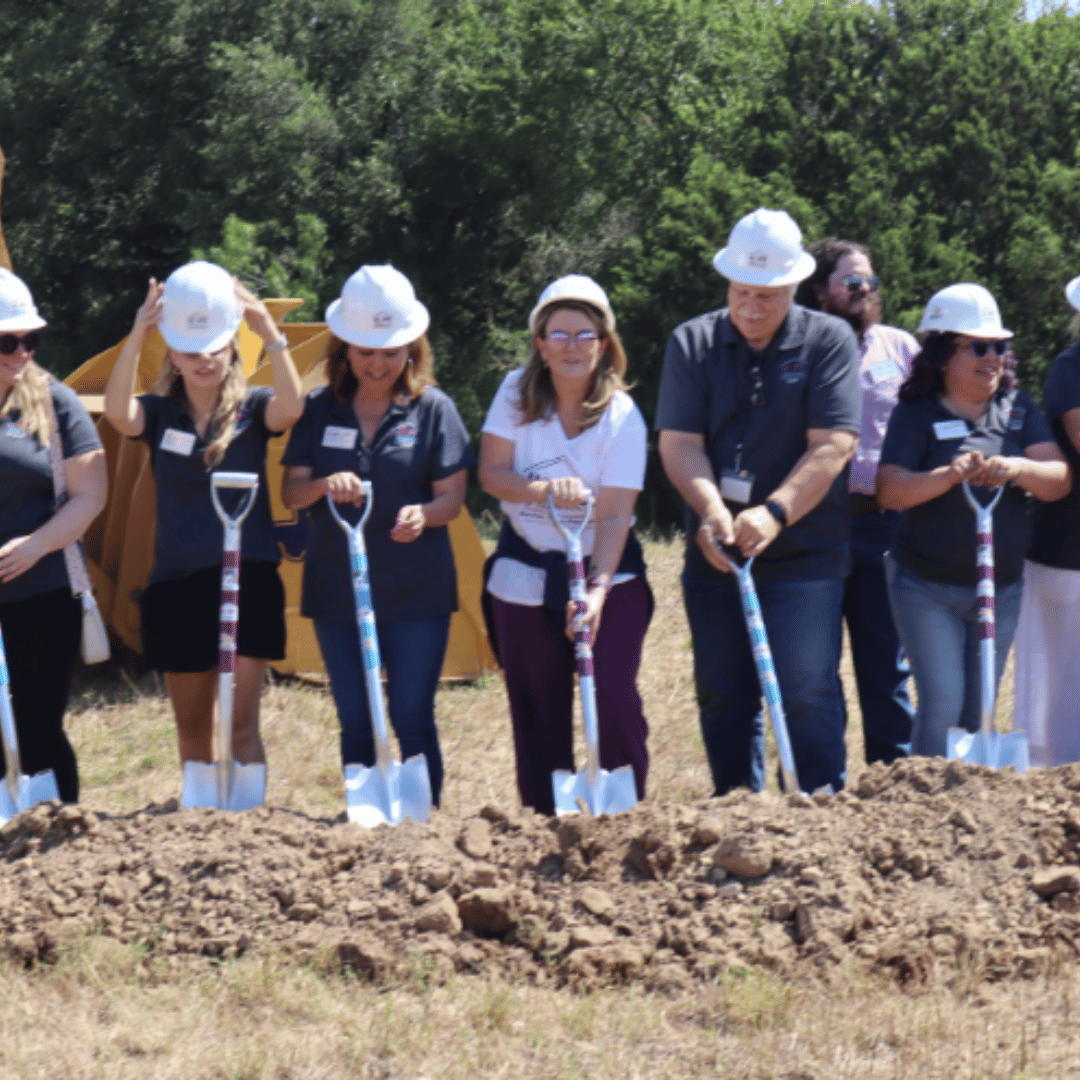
<point x="538" y="664"/>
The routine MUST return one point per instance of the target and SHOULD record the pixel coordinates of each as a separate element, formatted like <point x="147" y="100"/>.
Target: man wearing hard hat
<point x="758" y="416"/>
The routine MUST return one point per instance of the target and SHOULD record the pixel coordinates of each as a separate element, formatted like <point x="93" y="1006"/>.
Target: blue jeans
<point x="802" y="619"/>
<point x="938" y="625"/>
<point x="412" y="652"/>
<point x="881" y="668"/>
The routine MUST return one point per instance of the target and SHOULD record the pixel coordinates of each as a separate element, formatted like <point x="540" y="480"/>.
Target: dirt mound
<point x="923" y="865"/>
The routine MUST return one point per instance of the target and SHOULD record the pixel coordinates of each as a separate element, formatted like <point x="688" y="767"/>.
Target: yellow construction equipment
<point x="120" y="543"/>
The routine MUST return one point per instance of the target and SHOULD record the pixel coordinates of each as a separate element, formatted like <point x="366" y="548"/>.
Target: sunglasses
<point x="582" y="337"/>
<point x="9" y="343"/>
<point x="854" y="282"/>
<point x="980" y="349"/>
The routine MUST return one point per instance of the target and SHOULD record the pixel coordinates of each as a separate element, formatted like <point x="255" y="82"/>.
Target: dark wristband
<point x="777" y="511"/>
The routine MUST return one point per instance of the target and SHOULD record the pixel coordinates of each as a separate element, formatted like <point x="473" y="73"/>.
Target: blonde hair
<point x="419" y="371"/>
<point x="30" y="395"/>
<point x="223" y="421"/>
<point x="536" y="394"/>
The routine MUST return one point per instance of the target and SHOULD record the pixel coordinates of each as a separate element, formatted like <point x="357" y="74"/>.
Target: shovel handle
<point x="984" y="593"/>
<point x="365" y="487"/>
<point x="365" y="625"/>
<point x="234" y="480"/>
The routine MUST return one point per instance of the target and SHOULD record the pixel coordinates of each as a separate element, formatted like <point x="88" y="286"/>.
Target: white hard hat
<point x="199" y="309"/>
<point x="1072" y="292"/>
<point x="377" y="309"/>
<point x="964" y="309"/>
<point x="17" y="311"/>
<point x="765" y="248"/>
<point x="574" y="287"/>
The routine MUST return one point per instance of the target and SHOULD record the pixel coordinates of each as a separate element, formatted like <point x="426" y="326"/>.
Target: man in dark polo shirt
<point x="758" y="418"/>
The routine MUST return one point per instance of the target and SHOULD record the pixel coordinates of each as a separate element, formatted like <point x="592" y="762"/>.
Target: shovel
<point x="759" y="644"/>
<point x="17" y="792"/>
<point x="388" y="791"/>
<point x="593" y="789"/>
<point x="988" y="746"/>
<point x="226" y="784"/>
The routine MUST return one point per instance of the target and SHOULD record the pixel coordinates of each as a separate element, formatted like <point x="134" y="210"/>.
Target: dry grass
<point x="103" y="1011"/>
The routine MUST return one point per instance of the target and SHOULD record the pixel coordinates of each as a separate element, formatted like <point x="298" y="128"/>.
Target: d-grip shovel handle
<point x="733" y="554"/>
<point x="976" y="505"/>
<point x="365" y="622"/>
<point x="575" y="571"/>
<point x="248" y="481"/>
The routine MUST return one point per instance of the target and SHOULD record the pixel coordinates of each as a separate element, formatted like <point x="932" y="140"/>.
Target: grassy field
<point x="106" y="1011"/>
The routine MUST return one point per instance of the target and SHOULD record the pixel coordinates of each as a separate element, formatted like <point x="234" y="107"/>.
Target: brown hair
<point x="418" y="374"/>
<point x="30" y="395"/>
<point x="536" y="400"/>
<point x="231" y="396"/>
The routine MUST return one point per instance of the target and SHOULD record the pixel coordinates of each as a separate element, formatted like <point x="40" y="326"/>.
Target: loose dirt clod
<point x="928" y="865"/>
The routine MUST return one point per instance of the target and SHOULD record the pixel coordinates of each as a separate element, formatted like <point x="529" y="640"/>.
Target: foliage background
<point x="485" y="146"/>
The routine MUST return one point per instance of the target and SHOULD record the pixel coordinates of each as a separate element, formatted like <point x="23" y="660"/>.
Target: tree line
<point x="485" y="146"/>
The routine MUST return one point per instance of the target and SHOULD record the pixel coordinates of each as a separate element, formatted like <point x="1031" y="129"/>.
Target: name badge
<point x="951" y="429"/>
<point x="178" y="442"/>
<point x="339" y="438"/>
<point x="736" y="486"/>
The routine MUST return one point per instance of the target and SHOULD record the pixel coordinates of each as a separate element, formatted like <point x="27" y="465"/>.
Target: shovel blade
<point x="610" y="792"/>
<point x="996" y="750"/>
<point x="32" y="790"/>
<point x="375" y="797"/>
<point x="247" y="786"/>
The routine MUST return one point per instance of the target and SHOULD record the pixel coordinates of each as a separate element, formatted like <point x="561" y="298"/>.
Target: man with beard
<point x="844" y="284"/>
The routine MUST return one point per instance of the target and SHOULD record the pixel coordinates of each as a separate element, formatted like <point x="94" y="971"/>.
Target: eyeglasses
<point x="9" y="343"/>
<point x="980" y="349"/>
<point x="854" y="282"/>
<point x="582" y="337"/>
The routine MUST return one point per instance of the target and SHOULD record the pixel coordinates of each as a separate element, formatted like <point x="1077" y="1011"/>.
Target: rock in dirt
<point x="475" y="839"/>
<point x="440" y="914"/>
<point x="487" y="911"/>
<point x="744" y="856"/>
<point x="1056" y="880"/>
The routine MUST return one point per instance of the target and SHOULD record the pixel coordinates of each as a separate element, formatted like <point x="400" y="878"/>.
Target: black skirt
<point x="180" y="618"/>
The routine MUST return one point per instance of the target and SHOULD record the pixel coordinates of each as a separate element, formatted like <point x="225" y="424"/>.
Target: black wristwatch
<point x="777" y="511"/>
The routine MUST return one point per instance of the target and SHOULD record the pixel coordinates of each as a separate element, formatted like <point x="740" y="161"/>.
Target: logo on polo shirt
<point x="243" y="419"/>
<point x="1016" y="418"/>
<point x="793" y="371"/>
<point x="198" y="320"/>
<point x="405" y="434"/>
<point x="382" y="320"/>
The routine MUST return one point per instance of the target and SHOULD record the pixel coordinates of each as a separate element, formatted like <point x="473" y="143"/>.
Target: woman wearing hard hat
<point x="960" y="418"/>
<point x="203" y="417"/>
<point x="40" y="619"/>
<point x="1047" y="703"/>
<point x="565" y="426"/>
<point x="381" y="418"/>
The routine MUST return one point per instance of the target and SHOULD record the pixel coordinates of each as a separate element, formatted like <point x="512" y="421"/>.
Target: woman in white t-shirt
<point x="564" y="425"/>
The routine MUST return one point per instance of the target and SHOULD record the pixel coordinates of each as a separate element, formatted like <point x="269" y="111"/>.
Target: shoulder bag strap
<point x="74" y="559"/>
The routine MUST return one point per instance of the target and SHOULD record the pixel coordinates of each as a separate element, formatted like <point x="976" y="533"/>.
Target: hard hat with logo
<point x="964" y="309"/>
<point x="765" y="248"/>
<point x="574" y="287"/>
<point x="377" y="309"/>
<point x="17" y="310"/>
<point x="199" y="309"/>
<point x="1072" y="292"/>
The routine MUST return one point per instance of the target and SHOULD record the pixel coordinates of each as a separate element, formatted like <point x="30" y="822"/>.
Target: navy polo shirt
<point x="936" y="540"/>
<point x="1056" y="529"/>
<point x="189" y="533"/>
<point x="809" y="378"/>
<point x="417" y="443"/>
<point x="27" y="496"/>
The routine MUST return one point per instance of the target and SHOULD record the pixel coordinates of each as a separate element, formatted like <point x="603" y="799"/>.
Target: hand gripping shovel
<point x="599" y="791"/>
<point x="17" y="792"/>
<point x="226" y="784"/>
<point x="988" y="746"/>
<point x="759" y="644"/>
<point x="388" y="791"/>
